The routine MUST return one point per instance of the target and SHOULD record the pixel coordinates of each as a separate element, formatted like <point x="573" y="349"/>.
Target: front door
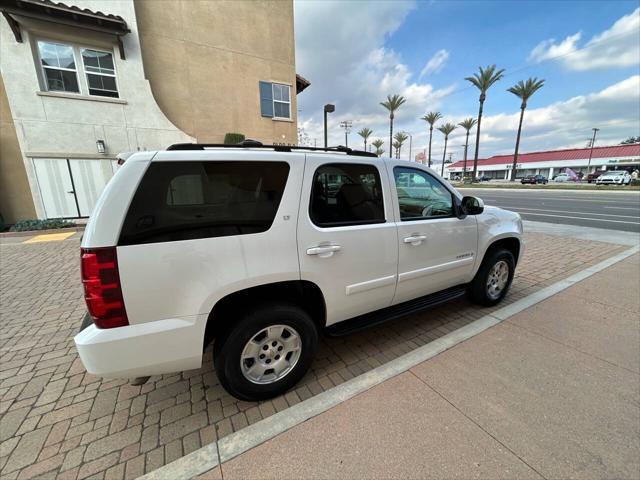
<point x="436" y="249"/>
<point x="347" y="240"/>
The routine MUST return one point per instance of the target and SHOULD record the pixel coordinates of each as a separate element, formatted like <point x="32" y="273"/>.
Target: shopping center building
<point x="553" y="162"/>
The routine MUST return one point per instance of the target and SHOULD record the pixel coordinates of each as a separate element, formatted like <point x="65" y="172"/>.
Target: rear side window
<point x="346" y="194"/>
<point x="188" y="200"/>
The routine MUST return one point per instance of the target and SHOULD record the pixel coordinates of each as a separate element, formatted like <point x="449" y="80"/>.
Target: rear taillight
<point x="101" y="283"/>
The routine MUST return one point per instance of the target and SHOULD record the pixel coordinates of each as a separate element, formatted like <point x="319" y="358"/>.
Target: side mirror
<point x="472" y="205"/>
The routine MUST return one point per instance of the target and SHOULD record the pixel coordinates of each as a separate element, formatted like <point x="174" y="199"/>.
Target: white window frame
<point x="87" y="72"/>
<point x="273" y="97"/>
<point x="43" y="69"/>
<point x="80" y="71"/>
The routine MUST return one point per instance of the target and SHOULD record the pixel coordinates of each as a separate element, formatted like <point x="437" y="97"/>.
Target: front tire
<point x="267" y="352"/>
<point x="492" y="282"/>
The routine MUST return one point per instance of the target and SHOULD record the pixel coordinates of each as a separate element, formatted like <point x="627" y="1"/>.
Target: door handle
<point x="323" y="251"/>
<point x="71" y="191"/>
<point x="415" y="239"/>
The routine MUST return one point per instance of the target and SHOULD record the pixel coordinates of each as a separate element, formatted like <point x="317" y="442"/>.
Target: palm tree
<point x="467" y="124"/>
<point x="483" y="81"/>
<point x="392" y="103"/>
<point x="378" y="144"/>
<point x="446" y="130"/>
<point x="431" y="118"/>
<point x="524" y="91"/>
<point x="365" y="133"/>
<point x="396" y="147"/>
<point x="400" y="138"/>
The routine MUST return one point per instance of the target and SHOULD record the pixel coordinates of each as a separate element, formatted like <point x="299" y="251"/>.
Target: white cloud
<point x="340" y="48"/>
<point x="435" y="63"/>
<point x="566" y="124"/>
<point x="616" y="47"/>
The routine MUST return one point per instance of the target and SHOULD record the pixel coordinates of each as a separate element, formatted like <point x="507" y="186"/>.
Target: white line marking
<point x="624" y="208"/>
<point x="232" y="445"/>
<point x="569" y="211"/>
<point x="578" y="218"/>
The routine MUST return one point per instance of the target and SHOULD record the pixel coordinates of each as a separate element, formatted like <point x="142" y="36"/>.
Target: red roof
<point x="632" y="150"/>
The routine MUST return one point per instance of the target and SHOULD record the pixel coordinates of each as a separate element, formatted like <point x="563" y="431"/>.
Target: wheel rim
<point x="497" y="279"/>
<point x="270" y="354"/>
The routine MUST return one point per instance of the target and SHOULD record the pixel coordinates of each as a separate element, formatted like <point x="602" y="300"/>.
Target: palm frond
<point x="432" y="117"/>
<point x="447" y="128"/>
<point x="468" y="123"/>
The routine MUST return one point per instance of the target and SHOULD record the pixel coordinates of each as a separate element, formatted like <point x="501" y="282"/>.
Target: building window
<point x="58" y="67"/>
<point x="101" y="74"/>
<point x="62" y="73"/>
<point x="275" y="100"/>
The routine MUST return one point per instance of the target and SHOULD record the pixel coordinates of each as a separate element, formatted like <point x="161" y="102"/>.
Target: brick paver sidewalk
<point x="60" y="421"/>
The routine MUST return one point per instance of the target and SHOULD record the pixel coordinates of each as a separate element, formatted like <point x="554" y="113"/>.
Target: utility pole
<point x="593" y="142"/>
<point x="346" y="124"/>
<point x="328" y="108"/>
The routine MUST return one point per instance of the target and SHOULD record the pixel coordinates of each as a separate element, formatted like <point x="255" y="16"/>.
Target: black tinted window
<point x="346" y="194"/>
<point x="188" y="200"/>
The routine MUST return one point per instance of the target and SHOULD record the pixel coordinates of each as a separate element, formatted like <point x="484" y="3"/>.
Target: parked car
<point x="592" y="177"/>
<point x="534" y="179"/>
<point x="483" y="178"/>
<point x="614" y="177"/>
<point x="262" y="249"/>
<point x="563" y="177"/>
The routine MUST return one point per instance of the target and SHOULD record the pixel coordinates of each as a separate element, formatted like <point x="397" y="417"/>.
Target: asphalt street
<point x="606" y="209"/>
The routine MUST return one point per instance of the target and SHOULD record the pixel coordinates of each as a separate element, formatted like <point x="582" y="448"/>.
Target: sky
<point x="355" y="53"/>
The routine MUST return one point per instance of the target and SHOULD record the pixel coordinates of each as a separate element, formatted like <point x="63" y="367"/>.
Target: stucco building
<point x="89" y="79"/>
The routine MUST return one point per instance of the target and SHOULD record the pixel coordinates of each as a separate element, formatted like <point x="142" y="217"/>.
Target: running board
<point x="368" y="320"/>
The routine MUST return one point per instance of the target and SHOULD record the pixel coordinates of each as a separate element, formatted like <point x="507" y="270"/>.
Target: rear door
<point x="346" y="234"/>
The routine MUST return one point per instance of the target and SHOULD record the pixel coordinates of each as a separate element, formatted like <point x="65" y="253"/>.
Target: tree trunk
<point x="464" y="166"/>
<point x="446" y="139"/>
<point x="365" y="144"/>
<point x="515" y="154"/>
<point x="391" y="136"/>
<point x="430" y="135"/>
<point x="475" y="156"/>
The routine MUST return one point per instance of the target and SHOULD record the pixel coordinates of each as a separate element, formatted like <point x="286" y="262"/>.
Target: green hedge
<point x="49" y="224"/>
<point x="233" y="138"/>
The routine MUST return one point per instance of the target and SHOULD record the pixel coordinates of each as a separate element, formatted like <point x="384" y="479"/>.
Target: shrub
<point x="233" y="138"/>
<point x="51" y="223"/>
<point x="635" y="181"/>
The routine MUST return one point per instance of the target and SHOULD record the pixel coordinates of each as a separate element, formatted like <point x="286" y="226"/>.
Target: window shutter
<point x="266" y="99"/>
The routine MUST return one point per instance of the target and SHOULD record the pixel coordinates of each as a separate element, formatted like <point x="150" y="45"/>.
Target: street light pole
<point x="593" y="142"/>
<point x="328" y="108"/>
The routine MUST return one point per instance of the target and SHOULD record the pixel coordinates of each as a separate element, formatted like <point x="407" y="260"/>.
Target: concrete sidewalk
<point x="552" y="392"/>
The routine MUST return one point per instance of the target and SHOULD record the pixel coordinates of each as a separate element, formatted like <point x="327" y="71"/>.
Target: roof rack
<point x="278" y="148"/>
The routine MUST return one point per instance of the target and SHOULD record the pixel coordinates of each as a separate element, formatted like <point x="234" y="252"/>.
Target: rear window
<point x="189" y="200"/>
<point x="346" y="194"/>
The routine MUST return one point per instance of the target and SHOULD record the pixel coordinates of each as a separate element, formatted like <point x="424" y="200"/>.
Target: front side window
<point x="188" y="200"/>
<point x="58" y="67"/>
<point x="346" y="194"/>
<point x="420" y="196"/>
<point x="100" y="72"/>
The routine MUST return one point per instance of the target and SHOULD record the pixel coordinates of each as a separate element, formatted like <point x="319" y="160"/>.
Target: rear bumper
<point x="150" y="348"/>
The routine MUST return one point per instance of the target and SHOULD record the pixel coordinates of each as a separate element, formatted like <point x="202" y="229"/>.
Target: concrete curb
<point x="214" y="454"/>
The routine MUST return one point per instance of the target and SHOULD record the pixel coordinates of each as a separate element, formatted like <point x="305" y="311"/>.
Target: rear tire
<point x="273" y="335"/>
<point x="492" y="282"/>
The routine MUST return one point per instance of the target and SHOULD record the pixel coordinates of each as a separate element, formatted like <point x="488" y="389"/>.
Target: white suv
<point x="260" y="249"/>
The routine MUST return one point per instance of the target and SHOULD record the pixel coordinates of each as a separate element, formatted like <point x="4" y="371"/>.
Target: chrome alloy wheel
<point x="497" y="279"/>
<point x="270" y="354"/>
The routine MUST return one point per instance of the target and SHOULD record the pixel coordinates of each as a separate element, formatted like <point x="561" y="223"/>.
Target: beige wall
<point x="204" y="60"/>
<point x="15" y="196"/>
